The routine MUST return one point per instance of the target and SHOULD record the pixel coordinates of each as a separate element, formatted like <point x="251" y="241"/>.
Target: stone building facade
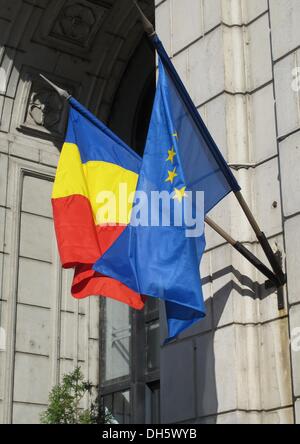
<point x="240" y="62"/>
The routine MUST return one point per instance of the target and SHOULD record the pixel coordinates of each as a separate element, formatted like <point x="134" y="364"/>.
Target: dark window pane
<point x="116" y="346"/>
<point x="153" y="346"/>
<point x="152" y="305"/>
<point x="117" y="407"/>
<point x="153" y="403"/>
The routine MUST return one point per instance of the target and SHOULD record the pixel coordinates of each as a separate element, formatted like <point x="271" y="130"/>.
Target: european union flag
<point x="155" y="258"/>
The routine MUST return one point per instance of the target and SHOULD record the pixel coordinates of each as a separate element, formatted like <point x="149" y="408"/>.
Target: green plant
<point x="64" y="403"/>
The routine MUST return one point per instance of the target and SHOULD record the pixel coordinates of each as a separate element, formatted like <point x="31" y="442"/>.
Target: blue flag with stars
<point x="158" y="259"/>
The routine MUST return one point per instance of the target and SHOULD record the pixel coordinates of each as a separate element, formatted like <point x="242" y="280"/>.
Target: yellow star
<point x="180" y="194"/>
<point x="172" y="175"/>
<point x="175" y="135"/>
<point x="172" y="154"/>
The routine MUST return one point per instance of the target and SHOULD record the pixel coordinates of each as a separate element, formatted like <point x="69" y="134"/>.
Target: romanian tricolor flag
<point x="94" y="163"/>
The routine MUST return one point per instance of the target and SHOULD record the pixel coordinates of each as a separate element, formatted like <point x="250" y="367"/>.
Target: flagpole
<point x="238" y="246"/>
<point x="262" y="239"/>
<point x="61" y="92"/>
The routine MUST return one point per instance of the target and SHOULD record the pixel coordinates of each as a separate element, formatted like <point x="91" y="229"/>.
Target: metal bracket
<point x="270" y="284"/>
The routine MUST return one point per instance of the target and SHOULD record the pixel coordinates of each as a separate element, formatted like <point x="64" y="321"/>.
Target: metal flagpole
<point x="238" y="246"/>
<point x="280" y="276"/>
<point x="59" y="91"/>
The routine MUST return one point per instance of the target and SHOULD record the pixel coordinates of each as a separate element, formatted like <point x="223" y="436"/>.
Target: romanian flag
<point x="94" y="169"/>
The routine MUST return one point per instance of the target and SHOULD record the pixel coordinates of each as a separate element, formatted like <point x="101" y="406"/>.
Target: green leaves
<point x="65" y="403"/>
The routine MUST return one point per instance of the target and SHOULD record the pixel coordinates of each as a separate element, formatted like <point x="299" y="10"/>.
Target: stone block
<point x="285" y="16"/>
<point x="73" y="344"/>
<point x="36" y="283"/>
<point x="163" y="24"/>
<point x="3" y="178"/>
<point x="276" y="390"/>
<point x="33" y="331"/>
<point x="68" y="303"/>
<point x="94" y="315"/>
<point x="287" y="96"/>
<point x="180" y="62"/>
<point x="3" y="345"/>
<point x="187" y="23"/>
<point x="267" y="197"/>
<point x="290" y="164"/>
<point x="295" y="346"/>
<point x="263" y="124"/>
<point x="258" y="53"/>
<point x="212" y="14"/>
<point x="205" y="81"/>
<point x="222" y="286"/>
<point x="214" y="115"/>
<point x="32" y="379"/>
<point x="292" y="237"/>
<point x="50" y="158"/>
<point x="66" y="366"/>
<point x="177" y="370"/>
<point x="27" y="413"/>
<point x="25" y="152"/>
<point x="297" y="409"/>
<point x="37" y="238"/>
<point x="253" y="9"/>
<point x="93" y="362"/>
<point x="282" y="416"/>
<point x="2" y="227"/>
<point x="226" y="374"/>
<point x="206" y="384"/>
<point x="36" y="198"/>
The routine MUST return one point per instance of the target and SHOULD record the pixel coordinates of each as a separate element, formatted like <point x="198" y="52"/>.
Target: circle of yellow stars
<point x="179" y="194"/>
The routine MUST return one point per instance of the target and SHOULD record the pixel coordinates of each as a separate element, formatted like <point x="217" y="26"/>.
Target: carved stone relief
<point x="72" y="25"/>
<point x="43" y="113"/>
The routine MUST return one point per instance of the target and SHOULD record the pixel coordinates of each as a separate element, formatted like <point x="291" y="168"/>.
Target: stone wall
<point x="236" y="58"/>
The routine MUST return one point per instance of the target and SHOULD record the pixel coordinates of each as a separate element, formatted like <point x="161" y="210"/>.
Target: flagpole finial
<point x="148" y="27"/>
<point x="59" y="91"/>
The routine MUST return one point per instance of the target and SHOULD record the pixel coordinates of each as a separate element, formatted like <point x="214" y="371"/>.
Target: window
<point x="129" y="371"/>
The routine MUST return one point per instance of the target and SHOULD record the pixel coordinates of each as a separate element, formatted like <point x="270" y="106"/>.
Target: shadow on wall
<point x="192" y="382"/>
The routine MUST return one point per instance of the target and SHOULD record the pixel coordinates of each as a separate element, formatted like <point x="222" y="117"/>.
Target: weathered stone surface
<point x="258" y="53"/>
<point x="34" y="278"/>
<point x="33" y="333"/>
<point x="207" y="83"/>
<point x="285" y="16"/>
<point x="290" y="162"/>
<point x="287" y="97"/>
<point x="36" y="198"/>
<point x="187" y="23"/>
<point x="32" y="378"/>
<point x="37" y="244"/>
<point x="275" y="365"/>
<point x="179" y="404"/>
<point x="267" y="197"/>
<point x="27" y="414"/>
<point x="295" y="346"/>
<point x="297" y="412"/>
<point x="253" y="9"/>
<point x="263" y="124"/>
<point x="292" y="257"/>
